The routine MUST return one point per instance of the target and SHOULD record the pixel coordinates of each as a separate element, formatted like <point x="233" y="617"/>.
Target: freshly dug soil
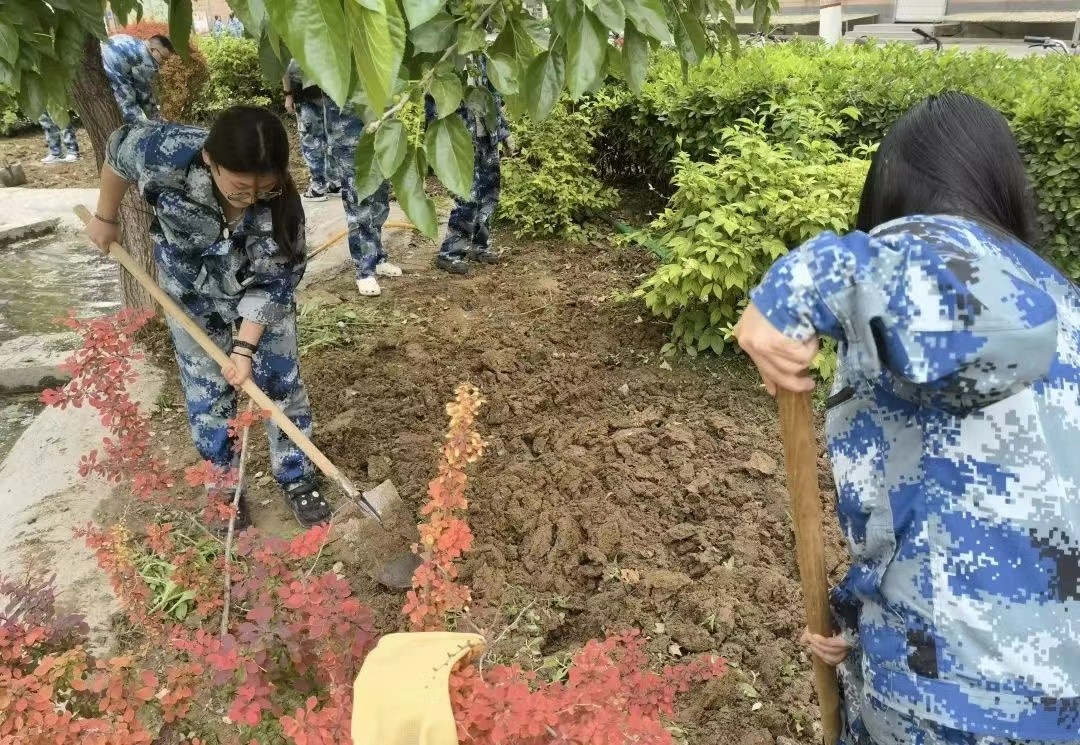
<point x="616" y="493"/>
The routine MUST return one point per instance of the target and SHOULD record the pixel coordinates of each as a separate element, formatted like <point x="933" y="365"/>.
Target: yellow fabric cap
<point x="402" y="694"/>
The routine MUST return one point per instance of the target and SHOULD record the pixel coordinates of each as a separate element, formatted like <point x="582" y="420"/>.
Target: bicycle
<point x="1047" y="42"/>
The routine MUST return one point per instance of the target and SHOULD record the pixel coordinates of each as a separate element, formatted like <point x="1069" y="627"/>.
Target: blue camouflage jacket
<point x="130" y="69"/>
<point x="954" y="432"/>
<point x="200" y="264"/>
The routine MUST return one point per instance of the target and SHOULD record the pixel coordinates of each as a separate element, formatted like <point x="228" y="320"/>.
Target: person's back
<point x="130" y="66"/>
<point x="953" y="428"/>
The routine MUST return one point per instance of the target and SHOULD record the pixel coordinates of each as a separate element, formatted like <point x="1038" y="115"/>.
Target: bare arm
<point x="104" y="229"/>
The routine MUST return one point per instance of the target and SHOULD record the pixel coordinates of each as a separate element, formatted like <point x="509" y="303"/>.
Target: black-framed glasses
<point x="262" y="196"/>
<point x="241" y="196"/>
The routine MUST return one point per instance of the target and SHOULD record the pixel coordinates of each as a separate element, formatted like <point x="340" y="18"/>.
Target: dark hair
<point x="251" y="139"/>
<point x="950" y="154"/>
<point x="163" y="41"/>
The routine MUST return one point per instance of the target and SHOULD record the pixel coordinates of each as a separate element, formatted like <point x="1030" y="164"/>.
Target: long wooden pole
<point x="800" y="459"/>
<point x="263" y="401"/>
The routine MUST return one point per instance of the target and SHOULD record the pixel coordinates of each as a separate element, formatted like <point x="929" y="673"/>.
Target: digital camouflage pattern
<point x="311" y="123"/>
<point x="342" y="129"/>
<point x="953" y="432"/>
<point x="130" y="70"/>
<point x="469" y="226"/>
<point x="219" y="278"/>
<point x="58" y="139"/>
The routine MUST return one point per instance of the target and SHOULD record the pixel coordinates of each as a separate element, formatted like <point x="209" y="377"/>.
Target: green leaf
<point x="9" y="43"/>
<point x="395" y="23"/>
<point x="449" y="149"/>
<point x="373" y="50"/>
<point x="470" y="40"/>
<point x="180" y="26"/>
<point x="446" y="90"/>
<point x="482" y="105"/>
<point x="689" y="38"/>
<point x="587" y="50"/>
<point x="315" y="32"/>
<point x="435" y="35"/>
<point x="635" y="57"/>
<point x="368" y="176"/>
<point x="544" y="80"/>
<point x="408" y="185"/>
<point x="32" y="95"/>
<point x="421" y="11"/>
<point x="648" y="16"/>
<point x="611" y="12"/>
<point x="391" y="143"/>
<point x="269" y="60"/>
<point x="503" y="73"/>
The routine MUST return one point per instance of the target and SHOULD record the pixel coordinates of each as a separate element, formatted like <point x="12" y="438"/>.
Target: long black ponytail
<point x="251" y="139"/>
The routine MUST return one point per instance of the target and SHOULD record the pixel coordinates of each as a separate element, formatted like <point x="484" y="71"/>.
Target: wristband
<point x="244" y="345"/>
<point x="106" y="220"/>
<point x="241" y="354"/>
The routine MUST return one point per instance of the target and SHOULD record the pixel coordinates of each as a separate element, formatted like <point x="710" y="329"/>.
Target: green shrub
<point x="1039" y="95"/>
<point x="729" y="219"/>
<point x="235" y="77"/>
<point x="551" y="186"/>
<point x="9" y="112"/>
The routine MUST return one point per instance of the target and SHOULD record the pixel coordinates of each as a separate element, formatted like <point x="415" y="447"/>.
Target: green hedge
<point x="10" y="120"/>
<point x="235" y="77"/>
<point x="730" y="218"/>
<point x="1039" y="95"/>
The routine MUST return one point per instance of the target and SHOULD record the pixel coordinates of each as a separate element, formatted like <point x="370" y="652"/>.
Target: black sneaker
<point x="334" y="189"/>
<point x="485" y="255"/>
<point x="313" y="195"/>
<point x="220" y="527"/>
<point x="307" y="503"/>
<point x="451" y="264"/>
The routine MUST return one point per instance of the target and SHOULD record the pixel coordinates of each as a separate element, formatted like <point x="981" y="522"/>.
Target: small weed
<point x="328" y="326"/>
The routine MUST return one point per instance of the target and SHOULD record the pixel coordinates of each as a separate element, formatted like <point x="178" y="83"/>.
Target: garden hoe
<point x="392" y="574"/>
<point x="800" y="459"/>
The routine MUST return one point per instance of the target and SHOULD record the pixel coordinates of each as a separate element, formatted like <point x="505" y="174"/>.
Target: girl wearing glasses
<point x="228" y="235"/>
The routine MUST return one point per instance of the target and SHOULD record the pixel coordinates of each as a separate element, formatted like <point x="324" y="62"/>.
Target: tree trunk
<point x="100" y="115"/>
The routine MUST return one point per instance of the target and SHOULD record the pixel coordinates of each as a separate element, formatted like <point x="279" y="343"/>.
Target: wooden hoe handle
<point x="263" y="401"/>
<point x="800" y="458"/>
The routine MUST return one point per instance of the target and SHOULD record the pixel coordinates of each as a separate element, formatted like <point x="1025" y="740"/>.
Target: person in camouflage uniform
<point x="307" y="101"/>
<point x="58" y="140"/>
<point x="468" y="231"/>
<point x="130" y="66"/>
<point x="228" y="236"/>
<point x="952" y="427"/>
<point x="364" y="218"/>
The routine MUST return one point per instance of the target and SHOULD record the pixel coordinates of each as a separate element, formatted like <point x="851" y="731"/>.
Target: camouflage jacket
<point x="953" y="428"/>
<point x="200" y="264"/>
<point x="131" y="69"/>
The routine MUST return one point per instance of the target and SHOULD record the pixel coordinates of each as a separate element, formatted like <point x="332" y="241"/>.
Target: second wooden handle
<point x="800" y="459"/>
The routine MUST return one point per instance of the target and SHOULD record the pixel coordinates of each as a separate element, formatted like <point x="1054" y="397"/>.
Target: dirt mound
<point x="615" y="493"/>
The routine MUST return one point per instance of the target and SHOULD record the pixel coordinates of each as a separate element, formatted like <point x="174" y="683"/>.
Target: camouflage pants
<point x="363" y="217"/>
<point x="311" y="118"/>
<point x="56" y="137"/>
<point x="211" y="401"/>
<point x="470" y="220"/>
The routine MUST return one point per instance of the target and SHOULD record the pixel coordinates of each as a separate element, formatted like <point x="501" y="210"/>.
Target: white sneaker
<point x="70" y="157"/>
<point x="386" y="269"/>
<point x="368" y="287"/>
<point x="51" y="159"/>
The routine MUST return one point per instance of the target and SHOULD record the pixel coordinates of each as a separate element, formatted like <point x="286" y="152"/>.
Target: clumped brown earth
<point x="618" y="491"/>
